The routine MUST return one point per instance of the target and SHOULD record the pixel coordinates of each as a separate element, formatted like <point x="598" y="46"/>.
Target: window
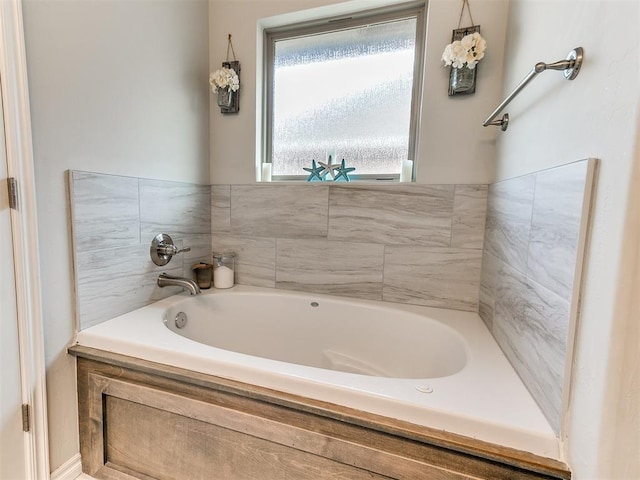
<point x="348" y="87"/>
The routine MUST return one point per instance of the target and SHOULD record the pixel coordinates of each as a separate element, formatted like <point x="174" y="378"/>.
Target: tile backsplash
<point x="419" y="244"/>
<point x="532" y="259"/>
<point x="114" y="219"/>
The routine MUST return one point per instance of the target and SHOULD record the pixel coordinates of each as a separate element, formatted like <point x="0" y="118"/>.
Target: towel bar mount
<point x="570" y="67"/>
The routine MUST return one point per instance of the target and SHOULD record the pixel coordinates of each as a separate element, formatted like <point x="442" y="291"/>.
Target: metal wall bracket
<point x="575" y="59"/>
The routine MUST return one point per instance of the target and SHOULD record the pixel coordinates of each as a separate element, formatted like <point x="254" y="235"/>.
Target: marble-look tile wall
<point x="534" y="241"/>
<point x="419" y="244"/>
<point x="113" y="221"/>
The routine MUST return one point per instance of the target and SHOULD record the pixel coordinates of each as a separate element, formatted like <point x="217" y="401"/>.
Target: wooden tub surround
<point x="143" y="420"/>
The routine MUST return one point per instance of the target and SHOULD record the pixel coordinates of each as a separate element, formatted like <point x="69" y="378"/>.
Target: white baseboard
<point x="69" y="470"/>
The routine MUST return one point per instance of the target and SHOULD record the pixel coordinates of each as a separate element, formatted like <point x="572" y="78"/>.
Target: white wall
<point x="555" y="121"/>
<point x="116" y="87"/>
<point x="445" y="155"/>
<point x="624" y="422"/>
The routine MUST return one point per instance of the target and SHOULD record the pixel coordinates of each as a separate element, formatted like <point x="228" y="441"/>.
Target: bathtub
<point x="431" y="367"/>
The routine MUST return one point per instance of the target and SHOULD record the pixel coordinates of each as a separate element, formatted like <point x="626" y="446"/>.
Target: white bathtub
<point x="432" y="367"/>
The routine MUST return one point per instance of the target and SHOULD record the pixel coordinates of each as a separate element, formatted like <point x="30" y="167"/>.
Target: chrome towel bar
<point x="570" y="66"/>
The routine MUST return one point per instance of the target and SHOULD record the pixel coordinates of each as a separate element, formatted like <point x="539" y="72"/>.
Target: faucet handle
<point x="163" y="249"/>
<point x="170" y="249"/>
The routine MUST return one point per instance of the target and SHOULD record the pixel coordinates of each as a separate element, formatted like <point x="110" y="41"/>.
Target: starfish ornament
<point x="329" y="168"/>
<point x="316" y="172"/>
<point x="343" y="171"/>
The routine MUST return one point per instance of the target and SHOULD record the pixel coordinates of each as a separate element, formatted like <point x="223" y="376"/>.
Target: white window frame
<point x="415" y="10"/>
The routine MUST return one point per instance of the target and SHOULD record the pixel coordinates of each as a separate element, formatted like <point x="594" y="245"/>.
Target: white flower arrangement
<point x="466" y="52"/>
<point x="224" y="78"/>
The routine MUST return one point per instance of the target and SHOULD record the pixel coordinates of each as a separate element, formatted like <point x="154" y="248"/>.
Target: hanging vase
<point x="225" y="97"/>
<point x="462" y="80"/>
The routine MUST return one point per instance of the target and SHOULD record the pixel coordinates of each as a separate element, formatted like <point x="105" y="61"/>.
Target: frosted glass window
<point x="348" y="92"/>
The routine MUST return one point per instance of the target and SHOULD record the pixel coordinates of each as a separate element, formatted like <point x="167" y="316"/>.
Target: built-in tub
<point x="431" y="367"/>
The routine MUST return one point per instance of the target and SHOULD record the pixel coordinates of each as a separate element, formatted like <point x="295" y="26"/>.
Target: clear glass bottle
<point x="223" y="269"/>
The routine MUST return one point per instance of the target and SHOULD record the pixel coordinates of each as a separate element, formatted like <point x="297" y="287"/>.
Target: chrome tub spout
<point x="166" y="280"/>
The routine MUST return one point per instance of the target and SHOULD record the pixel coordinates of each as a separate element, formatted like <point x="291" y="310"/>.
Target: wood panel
<point x="152" y="421"/>
<point x="164" y="445"/>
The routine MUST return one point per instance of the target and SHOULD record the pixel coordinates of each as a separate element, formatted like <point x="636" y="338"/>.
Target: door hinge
<point x="12" y="185"/>
<point x="25" y="418"/>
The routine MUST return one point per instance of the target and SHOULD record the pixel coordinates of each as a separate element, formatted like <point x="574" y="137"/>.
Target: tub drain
<point x="181" y="320"/>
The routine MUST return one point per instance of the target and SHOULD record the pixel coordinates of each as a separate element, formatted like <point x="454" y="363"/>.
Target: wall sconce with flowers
<point x="225" y="83"/>
<point x="466" y="49"/>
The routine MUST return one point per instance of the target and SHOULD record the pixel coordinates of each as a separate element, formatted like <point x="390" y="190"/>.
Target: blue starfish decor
<point x="321" y="171"/>
<point x="317" y="173"/>
<point x="343" y="172"/>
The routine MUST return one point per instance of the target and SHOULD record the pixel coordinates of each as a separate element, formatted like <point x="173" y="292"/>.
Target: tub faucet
<point x="166" y="280"/>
